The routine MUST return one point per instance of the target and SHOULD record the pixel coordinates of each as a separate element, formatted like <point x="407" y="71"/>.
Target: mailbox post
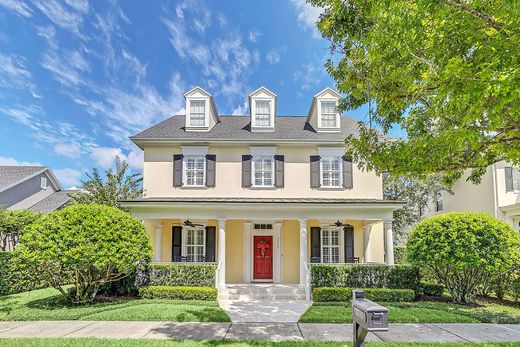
<point x="366" y="316"/>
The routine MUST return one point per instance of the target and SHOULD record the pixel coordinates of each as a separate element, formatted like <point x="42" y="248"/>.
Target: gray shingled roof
<point x="12" y="174"/>
<point x="268" y="200"/>
<point x="287" y="128"/>
<point x="52" y="202"/>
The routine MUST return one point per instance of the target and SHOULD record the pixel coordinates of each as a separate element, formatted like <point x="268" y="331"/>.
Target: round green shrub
<point x="84" y="245"/>
<point x="463" y="249"/>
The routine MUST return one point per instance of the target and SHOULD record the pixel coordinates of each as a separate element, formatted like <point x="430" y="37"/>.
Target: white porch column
<point x="304" y="281"/>
<point x="158" y="241"/>
<point x="221" y="253"/>
<point x="389" y="243"/>
<point x="366" y="242"/>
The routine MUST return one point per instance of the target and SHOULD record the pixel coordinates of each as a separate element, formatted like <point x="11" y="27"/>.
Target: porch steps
<point x="262" y="292"/>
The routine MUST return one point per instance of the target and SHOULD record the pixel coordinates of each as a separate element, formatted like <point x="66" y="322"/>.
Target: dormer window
<point x="262" y="103"/>
<point x="262" y="113"/>
<point x="197" y="113"/>
<point x="328" y="114"/>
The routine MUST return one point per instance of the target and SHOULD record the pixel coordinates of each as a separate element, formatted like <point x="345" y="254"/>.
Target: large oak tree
<point x="446" y="72"/>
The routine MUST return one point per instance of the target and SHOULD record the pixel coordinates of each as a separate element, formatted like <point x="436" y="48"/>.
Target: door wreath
<point x="263" y="246"/>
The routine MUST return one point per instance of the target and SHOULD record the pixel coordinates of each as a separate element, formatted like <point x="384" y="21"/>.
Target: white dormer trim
<point x="262" y="94"/>
<point x="314" y="117"/>
<point x="210" y="110"/>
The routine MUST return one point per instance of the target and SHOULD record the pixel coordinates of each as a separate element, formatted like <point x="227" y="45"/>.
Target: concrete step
<point x="257" y="291"/>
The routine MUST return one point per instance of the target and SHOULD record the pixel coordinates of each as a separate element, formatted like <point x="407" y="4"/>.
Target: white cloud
<point x="78" y="5"/>
<point x="19" y="7"/>
<point x="65" y="18"/>
<point x="15" y="75"/>
<point x="68" y="177"/>
<point x="272" y="57"/>
<point x="13" y="162"/>
<point x="69" y="150"/>
<point x="240" y="110"/>
<point x="253" y="35"/>
<point x="308" y="15"/>
<point x="66" y="68"/>
<point x="307" y="76"/>
<point x="105" y="157"/>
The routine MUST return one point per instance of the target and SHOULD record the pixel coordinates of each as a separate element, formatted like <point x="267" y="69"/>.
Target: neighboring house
<point x="30" y="187"/>
<point x="498" y="194"/>
<point x="260" y="195"/>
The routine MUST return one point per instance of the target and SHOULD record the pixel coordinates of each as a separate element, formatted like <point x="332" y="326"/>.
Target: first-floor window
<point x="195" y="244"/>
<point x="330" y="245"/>
<point x="331" y="172"/>
<point x="195" y="171"/>
<point x="263" y="172"/>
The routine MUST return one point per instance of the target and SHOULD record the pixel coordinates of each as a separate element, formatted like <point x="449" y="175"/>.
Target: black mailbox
<point x="366" y="316"/>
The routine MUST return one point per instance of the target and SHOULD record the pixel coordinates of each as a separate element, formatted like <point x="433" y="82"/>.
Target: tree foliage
<point x="86" y="245"/>
<point x="117" y="185"/>
<point x="446" y="72"/>
<point x="463" y="250"/>
<point x="418" y="195"/>
<point x="12" y="223"/>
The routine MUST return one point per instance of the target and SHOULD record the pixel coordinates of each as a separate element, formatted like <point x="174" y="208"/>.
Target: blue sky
<point x="78" y="77"/>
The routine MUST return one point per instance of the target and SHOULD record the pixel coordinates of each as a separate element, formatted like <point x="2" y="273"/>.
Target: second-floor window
<point x="328" y="114"/>
<point x="194" y="171"/>
<point x="197" y="113"/>
<point x="331" y="172"/>
<point x="262" y="113"/>
<point x="263" y="171"/>
<point x="516" y="179"/>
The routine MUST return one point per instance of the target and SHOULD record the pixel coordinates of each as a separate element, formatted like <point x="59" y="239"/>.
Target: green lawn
<point x="62" y="342"/>
<point x="420" y="312"/>
<point x="48" y="304"/>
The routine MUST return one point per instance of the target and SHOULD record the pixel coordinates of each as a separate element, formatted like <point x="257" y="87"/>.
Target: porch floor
<point x="263" y="302"/>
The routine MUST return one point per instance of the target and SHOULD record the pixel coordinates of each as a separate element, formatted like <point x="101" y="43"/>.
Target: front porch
<point x="268" y="241"/>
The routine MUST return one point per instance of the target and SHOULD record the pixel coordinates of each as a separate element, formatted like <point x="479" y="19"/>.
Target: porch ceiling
<point x="261" y="208"/>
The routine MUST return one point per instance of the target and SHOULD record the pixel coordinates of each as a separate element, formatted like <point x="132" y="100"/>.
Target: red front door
<point x="263" y="261"/>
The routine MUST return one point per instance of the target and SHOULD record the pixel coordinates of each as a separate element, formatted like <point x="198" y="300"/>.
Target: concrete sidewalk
<point x="260" y="331"/>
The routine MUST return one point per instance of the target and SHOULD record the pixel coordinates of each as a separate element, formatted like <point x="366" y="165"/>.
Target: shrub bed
<point x="179" y="293"/>
<point x="326" y="294"/>
<point x="431" y="289"/>
<point x="366" y="276"/>
<point x="191" y="275"/>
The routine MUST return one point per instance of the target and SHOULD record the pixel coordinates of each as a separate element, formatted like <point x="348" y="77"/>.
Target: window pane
<point x="328" y="114"/>
<point x="197" y="112"/>
<point x="262" y="113"/>
<point x="331" y="172"/>
<point x="195" y="170"/>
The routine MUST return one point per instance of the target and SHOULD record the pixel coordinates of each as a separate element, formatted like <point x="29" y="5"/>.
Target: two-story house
<point x="263" y="195"/>
<point x="497" y="194"/>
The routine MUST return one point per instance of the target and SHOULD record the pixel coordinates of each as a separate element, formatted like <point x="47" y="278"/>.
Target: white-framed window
<point x="516" y="179"/>
<point x="197" y="113"/>
<point x="195" y="244"/>
<point x="194" y="171"/>
<point x="263" y="171"/>
<point x="438" y="203"/>
<point x="328" y="114"/>
<point x="262" y="113"/>
<point x="331" y="245"/>
<point x="331" y="172"/>
<point x="43" y="183"/>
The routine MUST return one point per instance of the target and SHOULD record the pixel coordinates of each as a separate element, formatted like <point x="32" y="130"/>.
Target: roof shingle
<point x="12" y="174"/>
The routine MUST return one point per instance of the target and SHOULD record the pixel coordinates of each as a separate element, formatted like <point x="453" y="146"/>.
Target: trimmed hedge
<point x="365" y="276"/>
<point x="326" y="294"/>
<point x="431" y="289"/>
<point x="178" y="293"/>
<point x="16" y="279"/>
<point x="183" y="275"/>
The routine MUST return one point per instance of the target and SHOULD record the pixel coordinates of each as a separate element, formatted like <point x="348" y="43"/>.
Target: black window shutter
<point x="315" y="245"/>
<point x="210" y="244"/>
<point x="176" y="243"/>
<point x="509" y="178"/>
<point x="246" y="170"/>
<point x="279" y="171"/>
<point x="349" y="243"/>
<point x="347" y="173"/>
<point x="315" y="171"/>
<point x="211" y="160"/>
<point x="177" y="170"/>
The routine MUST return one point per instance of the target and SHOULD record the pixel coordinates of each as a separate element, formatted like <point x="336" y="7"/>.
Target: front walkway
<point x="260" y="331"/>
<point x="264" y="311"/>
